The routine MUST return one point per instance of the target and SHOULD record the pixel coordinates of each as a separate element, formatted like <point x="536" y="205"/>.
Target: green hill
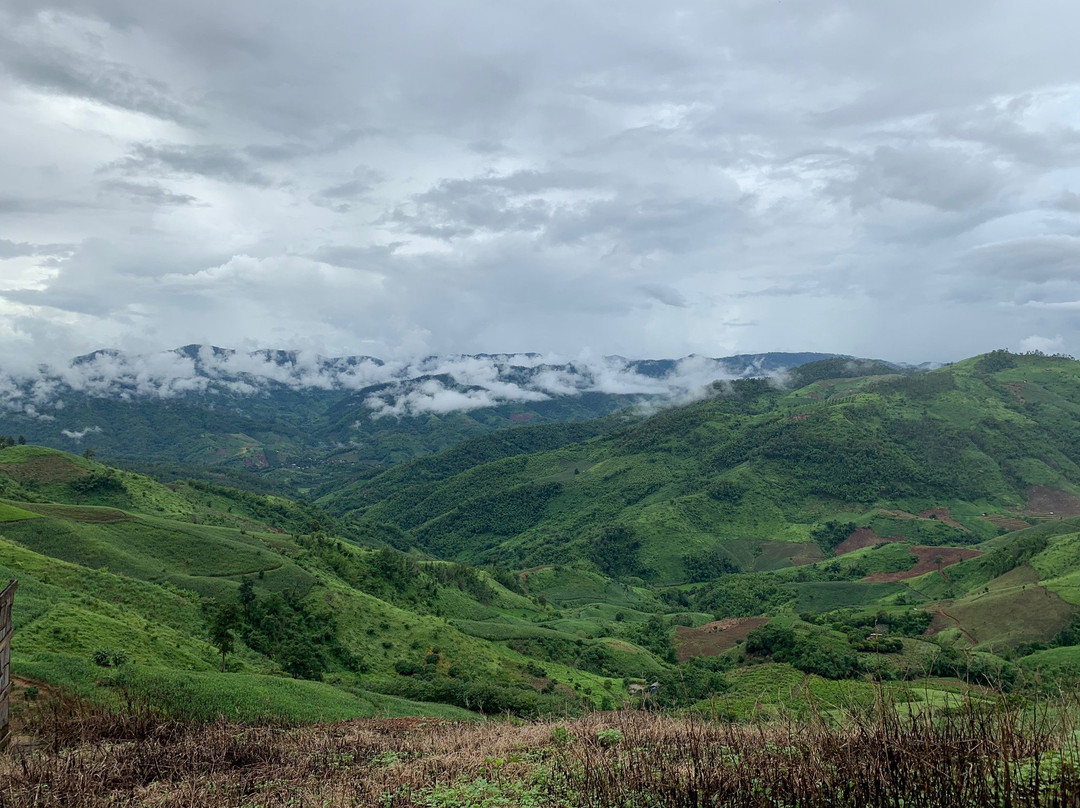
<point x="138" y="590"/>
<point x="854" y="524"/>
<point x="758" y="471"/>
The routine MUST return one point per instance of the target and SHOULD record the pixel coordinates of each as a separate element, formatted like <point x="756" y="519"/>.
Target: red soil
<point x="713" y="638"/>
<point x="863" y="537"/>
<point x="1045" y="501"/>
<point x="943" y="620"/>
<point x="930" y="559"/>
<point x="941" y="515"/>
<point x="1007" y="522"/>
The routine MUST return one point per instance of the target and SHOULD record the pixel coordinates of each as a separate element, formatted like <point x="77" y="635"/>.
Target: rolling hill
<point x="284" y="421"/>
<point x="849" y="525"/>
<point x="752" y="476"/>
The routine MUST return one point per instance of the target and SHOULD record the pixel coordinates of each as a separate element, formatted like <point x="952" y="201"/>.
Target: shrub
<point x="609" y="737"/>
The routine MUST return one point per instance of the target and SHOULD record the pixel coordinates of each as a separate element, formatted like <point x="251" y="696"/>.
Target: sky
<point x="896" y="180"/>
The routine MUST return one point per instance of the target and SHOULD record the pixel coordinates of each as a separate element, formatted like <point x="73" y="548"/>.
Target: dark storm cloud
<point x="623" y="177"/>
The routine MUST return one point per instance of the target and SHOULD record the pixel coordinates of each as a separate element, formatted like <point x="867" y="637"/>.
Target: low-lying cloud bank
<point x="435" y="384"/>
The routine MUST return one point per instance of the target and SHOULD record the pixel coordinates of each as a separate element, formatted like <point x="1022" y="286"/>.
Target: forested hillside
<point x="285" y="422"/>
<point x="824" y="535"/>
<point x="751" y="477"/>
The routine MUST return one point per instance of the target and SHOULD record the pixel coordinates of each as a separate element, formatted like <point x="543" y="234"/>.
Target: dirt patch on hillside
<point x="1016" y="388"/>
<point x="929" y="560"/>
<point x="78" y="514"/>
<point x="1044" y="501"/>
<point x="48" y="469"/>
<point x="1009" y="523"/>
<point x="941" y="515"/>
<point x="895" y="514"/>
<point x="863" y="537"/>
<point x="942" y="620"/>
<point x="713" y="638"/>
<point x="935" y="514"/>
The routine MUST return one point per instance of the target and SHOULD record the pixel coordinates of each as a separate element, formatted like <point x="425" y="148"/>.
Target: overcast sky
<point x="643" y="178"/>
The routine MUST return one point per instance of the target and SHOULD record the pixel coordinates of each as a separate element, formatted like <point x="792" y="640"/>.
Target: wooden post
<point x="7" y="600"/>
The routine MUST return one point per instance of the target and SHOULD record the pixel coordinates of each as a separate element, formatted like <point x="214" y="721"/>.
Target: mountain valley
<point x="848" y="528"/>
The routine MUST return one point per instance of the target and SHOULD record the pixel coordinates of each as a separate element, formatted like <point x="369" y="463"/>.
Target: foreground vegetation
<point x="983" y="751"/>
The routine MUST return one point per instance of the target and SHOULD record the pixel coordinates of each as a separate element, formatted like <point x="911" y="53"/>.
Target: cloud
<point x="78" y="435"/>
<point x="402" y="388"/>
<point x="11" y="249"/>
<point x="177" y="160"/>
<point x="150" y="193"/>
<point x="664" y="294"/>
<point x="949" y="179"/>
<point x="416" y="177"/>
<point x="1049" y="345"/>
<point x="55" y="69"/>
<point x="342" y="196"/>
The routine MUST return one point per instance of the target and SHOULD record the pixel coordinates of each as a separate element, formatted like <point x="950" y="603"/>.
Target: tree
<point x="247" y="599"/>
<point x="224" y="619"/>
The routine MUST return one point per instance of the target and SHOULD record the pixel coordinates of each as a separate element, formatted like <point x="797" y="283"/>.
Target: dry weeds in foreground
<point x="983" y="755"/>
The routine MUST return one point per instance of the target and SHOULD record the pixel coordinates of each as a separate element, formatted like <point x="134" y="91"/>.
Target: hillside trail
<point x="970" y="637"/>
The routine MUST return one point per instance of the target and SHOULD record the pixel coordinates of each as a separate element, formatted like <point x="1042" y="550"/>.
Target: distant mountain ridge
<point x="212" y="369"/>
<point x="205" y="405"/>
<point x="942" y="457"/>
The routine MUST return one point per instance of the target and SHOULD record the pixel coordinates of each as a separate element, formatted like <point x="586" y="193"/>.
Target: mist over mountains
<point x="288" y="412"/>
<point x="432" y="384"/>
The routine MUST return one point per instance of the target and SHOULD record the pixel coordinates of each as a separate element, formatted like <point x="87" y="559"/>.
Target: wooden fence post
<point x="7" y="600"/>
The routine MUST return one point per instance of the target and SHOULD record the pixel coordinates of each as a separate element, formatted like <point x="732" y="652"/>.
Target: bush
<point x="407" y="668"/>
<point x="109" y="658"/>
<point x="609" y="737"/>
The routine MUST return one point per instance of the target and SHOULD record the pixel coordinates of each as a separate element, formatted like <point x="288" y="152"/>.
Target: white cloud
<point x="633" y="178"/>
<point x="436" y="384"/>
<point x="78" y="434"/>
<point x="1049" y="345"/>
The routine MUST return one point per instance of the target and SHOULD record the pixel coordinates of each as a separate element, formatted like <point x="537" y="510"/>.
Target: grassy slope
<point x="758" y="465"/>
<point x="106" y="576"/>
<point x="749" y="475"/>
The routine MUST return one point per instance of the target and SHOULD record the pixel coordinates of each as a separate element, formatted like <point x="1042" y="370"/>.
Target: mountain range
<point x="848" y="531"/>
<point x="284" y="412"/>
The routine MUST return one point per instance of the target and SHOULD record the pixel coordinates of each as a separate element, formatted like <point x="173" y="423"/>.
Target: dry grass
<point x="989" y="753"/>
